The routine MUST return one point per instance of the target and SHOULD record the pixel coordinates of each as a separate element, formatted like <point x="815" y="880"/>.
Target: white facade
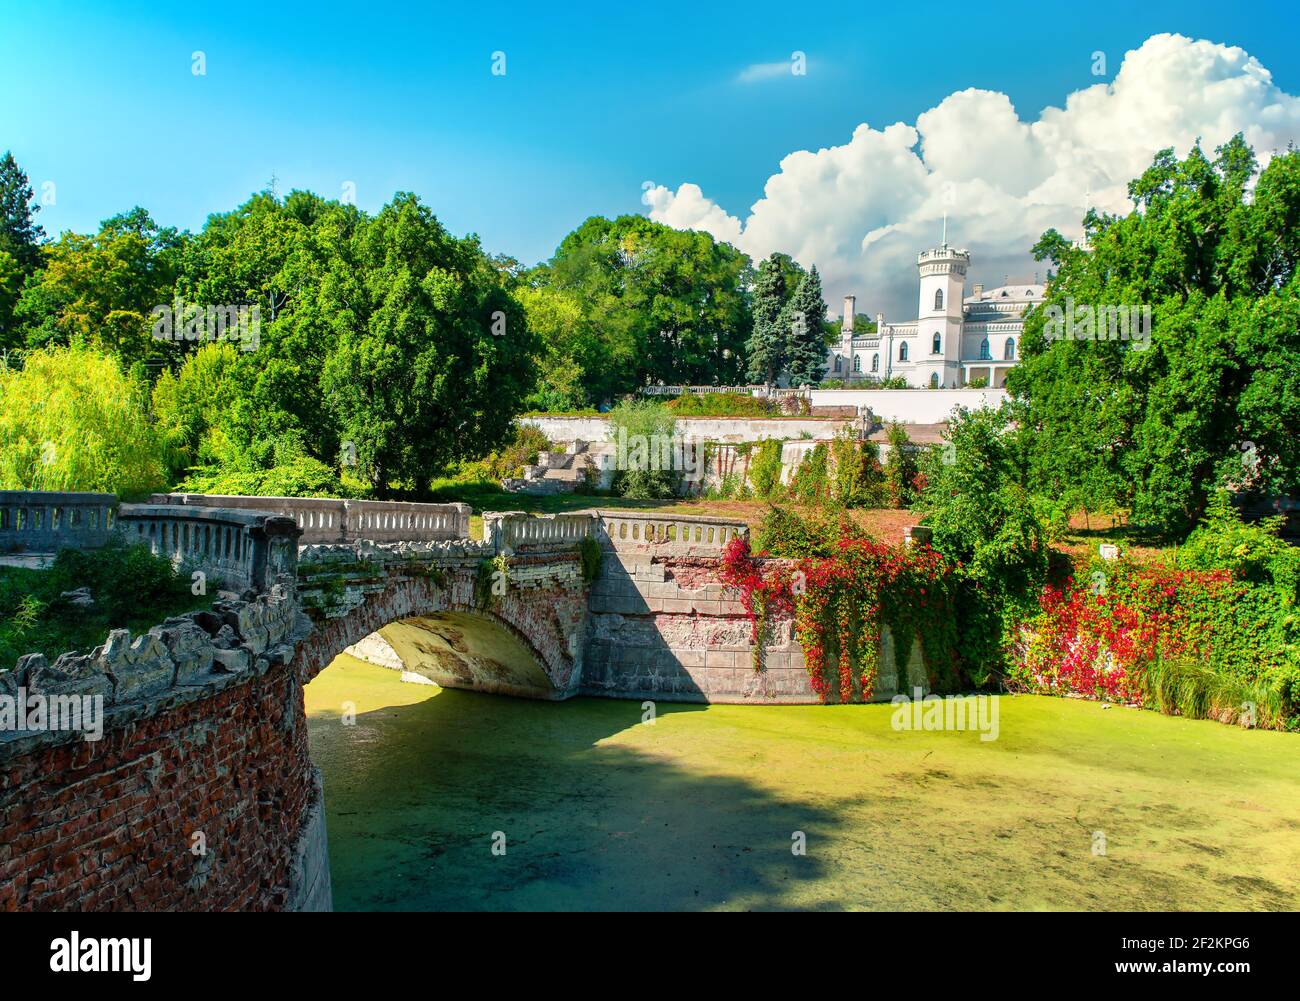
<point x="954" y="339"/>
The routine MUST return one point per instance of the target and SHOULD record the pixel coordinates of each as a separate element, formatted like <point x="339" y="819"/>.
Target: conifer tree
<point x="806" y="347"/>
<point x="766" y="346"/>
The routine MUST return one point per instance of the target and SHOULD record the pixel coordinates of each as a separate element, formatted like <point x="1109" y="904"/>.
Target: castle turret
<point x="943" y="280"/>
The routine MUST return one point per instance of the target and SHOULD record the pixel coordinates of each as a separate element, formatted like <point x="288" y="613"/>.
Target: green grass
<point x="698" y="810"/>
<point x="1193" y="690"/>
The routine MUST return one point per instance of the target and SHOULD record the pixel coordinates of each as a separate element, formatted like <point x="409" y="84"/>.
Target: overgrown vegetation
<point x="1219" y="625"/>
<point x="130" y="587"/>
<point x="843" y="589"/>
<point x="645" y="435"/>
<point x="1210" y="396"/>
<point x="589" y="557"/>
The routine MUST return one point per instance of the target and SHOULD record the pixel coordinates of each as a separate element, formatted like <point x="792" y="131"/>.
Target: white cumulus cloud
<point x="862" y="211"/>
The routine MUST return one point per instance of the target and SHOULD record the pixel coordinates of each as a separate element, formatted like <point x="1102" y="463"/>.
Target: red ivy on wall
<point x="1096" y="640"/>
<point x="839" y="604"/>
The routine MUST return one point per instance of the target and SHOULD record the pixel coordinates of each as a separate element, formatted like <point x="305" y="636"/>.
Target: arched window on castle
<point x="934" y="380"/>
<point x="985" y="354"/>
<point x="839" y="363"/>
<point x="937" y="347"/>
<point x="857" y="363"/>
<point x="875" y="363"/>
<point x="1009" y="352"/>
<point x="938" y="298"/>
<point x="902" y="351"/>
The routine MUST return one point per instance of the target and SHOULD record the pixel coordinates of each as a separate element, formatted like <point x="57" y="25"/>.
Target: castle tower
<point x="943" y="281"/>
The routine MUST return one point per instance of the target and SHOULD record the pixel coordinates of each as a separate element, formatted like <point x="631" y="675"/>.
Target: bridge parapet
<point x="332" y="520"/>
<point x="246" y="549"/>
<point x="44" y="521"/>
<point x="667" y="534"/>
<point x="519" y="531"/>
<point x="621" y="531"/>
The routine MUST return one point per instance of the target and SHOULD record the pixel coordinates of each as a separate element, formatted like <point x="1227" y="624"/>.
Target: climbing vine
<point x="765" y="467"/>
<point x="840" y="604"/>
<point x="588" y="551"/>
<point x="492" y="580"/>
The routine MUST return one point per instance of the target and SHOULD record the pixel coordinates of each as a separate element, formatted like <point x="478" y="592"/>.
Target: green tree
<point x="20" y="242"/>
<point x="901" y="466"/>
<point x="767" y="345"/>
<point x="659" y="305"/>
<point x="101" y="289"/>
<point x="71" y="420"/>
<point x="430" y="361"/>
<point x="807" y="344"/>
<point x="1156" y="426"/>
<point x="981" y="515"/>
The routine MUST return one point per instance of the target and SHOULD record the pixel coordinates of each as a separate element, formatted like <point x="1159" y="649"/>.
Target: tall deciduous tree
<point x="1214" y="397"/>
<point x="101" y="289"/>
<point x="659" y="305"/>
<point x="431" y="359"/>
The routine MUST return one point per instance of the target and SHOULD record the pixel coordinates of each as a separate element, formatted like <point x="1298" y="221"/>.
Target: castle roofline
<point x="943" y="252"/>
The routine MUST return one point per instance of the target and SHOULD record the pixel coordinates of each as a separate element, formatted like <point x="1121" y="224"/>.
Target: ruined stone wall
<point x="199" y="792"/>
<point x="662" y="626"/>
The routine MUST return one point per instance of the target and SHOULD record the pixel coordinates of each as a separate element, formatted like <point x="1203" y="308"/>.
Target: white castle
<point x="955" y="339"/>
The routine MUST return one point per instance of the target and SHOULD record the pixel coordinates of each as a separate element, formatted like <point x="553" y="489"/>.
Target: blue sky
<point x="597" y="98"/>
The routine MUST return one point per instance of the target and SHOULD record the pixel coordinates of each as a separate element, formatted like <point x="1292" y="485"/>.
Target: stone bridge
<point x="204" y="729"/>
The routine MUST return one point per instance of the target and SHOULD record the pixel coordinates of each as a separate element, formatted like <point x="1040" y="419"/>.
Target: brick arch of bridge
<point x="527" y="642"/>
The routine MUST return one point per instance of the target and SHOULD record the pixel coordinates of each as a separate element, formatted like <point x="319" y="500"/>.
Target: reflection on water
<point x="698" y="811"/>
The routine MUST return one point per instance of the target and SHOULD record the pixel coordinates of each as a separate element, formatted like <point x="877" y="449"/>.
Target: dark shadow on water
<point x="415" y="795"/>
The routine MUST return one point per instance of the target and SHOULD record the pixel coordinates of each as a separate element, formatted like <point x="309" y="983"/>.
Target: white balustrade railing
<point x="331" y="520"/>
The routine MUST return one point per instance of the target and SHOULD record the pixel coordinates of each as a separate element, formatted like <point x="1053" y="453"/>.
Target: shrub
<point x="719" y="405"/>
<point x="859" y="478"/>
<point x="810" y="482"/>
<point x="900" y="467"/>
<point x="1256" y="553"/>
<point x="130" y="586"/>
<point x="301" y="476"/>
<point x="784" y="533"/>
<point x="521" y="449"/>
<point x="589" y="556"/>
<point x="644" y="434"/>
<point x="765" y="467"/>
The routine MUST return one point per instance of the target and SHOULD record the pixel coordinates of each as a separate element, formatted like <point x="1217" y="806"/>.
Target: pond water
<point x="444" y="800"/>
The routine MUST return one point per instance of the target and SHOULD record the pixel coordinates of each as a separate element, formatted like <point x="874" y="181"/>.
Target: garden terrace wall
<point x="700" y="429"/>
<point x="910" y="406"/>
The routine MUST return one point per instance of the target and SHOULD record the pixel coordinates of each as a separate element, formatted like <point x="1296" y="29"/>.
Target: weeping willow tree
<point x="71" y="420"/>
